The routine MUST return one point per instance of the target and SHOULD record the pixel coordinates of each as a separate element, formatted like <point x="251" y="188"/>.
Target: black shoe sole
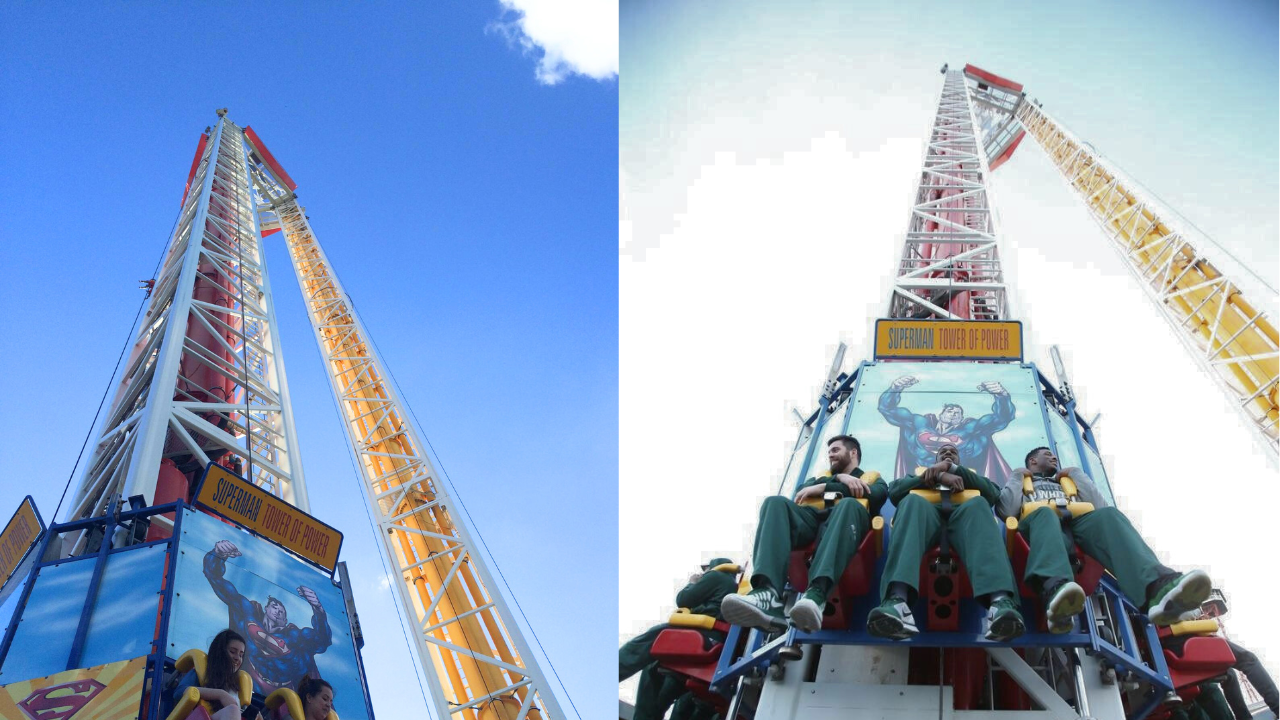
<point x="887" y="626"/>
<point x="1006" y="628"/>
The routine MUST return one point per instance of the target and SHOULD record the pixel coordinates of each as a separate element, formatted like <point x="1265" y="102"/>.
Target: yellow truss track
<point x="1230" y="335"/>
<point x="458" y="623"/>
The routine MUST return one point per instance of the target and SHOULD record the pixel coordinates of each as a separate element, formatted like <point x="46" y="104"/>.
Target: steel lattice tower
<point x="950" y="266"/>
<point x="206" y="383"/>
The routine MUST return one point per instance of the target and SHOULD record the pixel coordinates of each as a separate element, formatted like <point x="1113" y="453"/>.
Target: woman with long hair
<point x="317" y="698"/>
<point x="220" y="687"/>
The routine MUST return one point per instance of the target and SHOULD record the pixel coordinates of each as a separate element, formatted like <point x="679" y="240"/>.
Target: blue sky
<point x="769" y="155"/>
<point x="462" y="179"/>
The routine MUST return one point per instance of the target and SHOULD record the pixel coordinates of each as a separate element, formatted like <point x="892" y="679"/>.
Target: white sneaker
<point x="757" y="609"/>
<point x="1065" y="603"/>
<point x="806" y="614"/>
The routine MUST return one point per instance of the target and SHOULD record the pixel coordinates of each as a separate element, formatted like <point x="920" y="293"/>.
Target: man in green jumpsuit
<point x="788" y="524"/>
<point x="1105" y="534"/>
<point x="971" y="528"/>
<point x="701" y="596"/>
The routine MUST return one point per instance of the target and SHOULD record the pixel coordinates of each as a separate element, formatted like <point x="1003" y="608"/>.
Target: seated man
<point x="787" y="525"/>
<point x="701" y="596"/>
<point x="917" y="525"/>
<point x="1102" y="532"/>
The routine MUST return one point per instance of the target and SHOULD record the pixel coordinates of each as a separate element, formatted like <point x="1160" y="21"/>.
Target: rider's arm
<point x="1010" y="500"/>
<point x="1085" y="489"/>
<point x="900" y="488"/>
<point x="974" y="481"/>
<point x="877" y="493"/>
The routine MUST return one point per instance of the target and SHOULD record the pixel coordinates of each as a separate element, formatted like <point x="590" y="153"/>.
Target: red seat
<point x="941" y="588"/>
<point x="856" y="580"/>
<point x="683" y="651"/>
<point x="1201" y="659"/>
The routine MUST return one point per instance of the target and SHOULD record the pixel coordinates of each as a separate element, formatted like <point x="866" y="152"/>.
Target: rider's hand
<point x="809" y="493"/>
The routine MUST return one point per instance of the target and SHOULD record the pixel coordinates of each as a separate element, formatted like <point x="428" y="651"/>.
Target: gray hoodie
<point x="1046" y="489"/>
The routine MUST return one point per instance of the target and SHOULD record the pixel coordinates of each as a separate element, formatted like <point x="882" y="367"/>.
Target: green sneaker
<point x="1061" y="607"/>
<point x="1004" y="622"/>
<point x="1180" y="595"/>
<point x="757" y="609"/>
<point x="892" y="620"/>
<point x="806" y="614"/>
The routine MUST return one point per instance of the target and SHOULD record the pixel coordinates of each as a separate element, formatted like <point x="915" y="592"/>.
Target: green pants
<point x="971" y="529"/>
<point x="785" y="526"/>
<point x="690" y="708"/>
<point x="1210" y="704"/>
<point x="634" y="655"/>
<point x="655" y="693"/>
<point x="1105" y="534"/>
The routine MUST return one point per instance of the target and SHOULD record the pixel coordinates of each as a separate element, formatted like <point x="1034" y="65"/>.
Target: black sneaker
<point x="1181" y="595"/>
<point x="757" y="609"/>
<point x="892" y="620"/>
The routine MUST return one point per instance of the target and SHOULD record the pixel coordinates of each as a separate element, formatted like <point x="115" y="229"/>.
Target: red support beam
<point x="268" y="159"/>
<point x="992" y="78"/>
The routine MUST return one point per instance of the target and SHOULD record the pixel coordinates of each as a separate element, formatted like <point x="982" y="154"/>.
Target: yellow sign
<point x="104" y="692"/>
<point x="948" y="339"/>
<point x="19" y="535"/>
<point x="235" y="499"/>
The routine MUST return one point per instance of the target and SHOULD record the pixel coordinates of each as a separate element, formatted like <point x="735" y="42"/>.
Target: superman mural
<point x="921" y="435"/>
<point x="279" y="653"/>
<point x="291" y="614"/>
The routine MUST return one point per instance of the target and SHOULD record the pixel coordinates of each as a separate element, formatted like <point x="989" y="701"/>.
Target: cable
<point x="244" y="336"/>
<point x="129" y="336"/>
<point x="435" y="559"/>
<point x="386" y="572"/>
<point x="467" y="512"/>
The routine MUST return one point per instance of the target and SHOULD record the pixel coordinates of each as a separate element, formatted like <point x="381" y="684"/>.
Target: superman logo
<point x="60" y="702"/>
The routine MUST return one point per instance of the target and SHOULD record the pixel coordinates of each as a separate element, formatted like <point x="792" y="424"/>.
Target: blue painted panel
<point x="1068" y="455"/>
<point x="42" y="642"/>
<point x="124" y="615"/>
<point x="1099" y="473"/>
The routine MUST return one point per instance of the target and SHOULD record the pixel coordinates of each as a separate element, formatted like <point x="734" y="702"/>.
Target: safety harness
<point x="829" y="499"/>
<point x="946" y="499"/>
<point x="1065" y="508"/>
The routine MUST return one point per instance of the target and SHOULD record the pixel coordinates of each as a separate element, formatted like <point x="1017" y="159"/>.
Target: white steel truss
<point x="950" y="266"/>
<point x="1232" y="338"/>
<point x="476" y="660"/>
<point x="205" y="380"/>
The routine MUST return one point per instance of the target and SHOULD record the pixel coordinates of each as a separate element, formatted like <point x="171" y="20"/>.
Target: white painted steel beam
<point x="158" y="412"/>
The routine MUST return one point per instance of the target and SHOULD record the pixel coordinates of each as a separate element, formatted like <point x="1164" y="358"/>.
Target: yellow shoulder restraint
<point x="1075" y="507"/>
<point x="870" y="476"/>
<point x="935" y="497"/>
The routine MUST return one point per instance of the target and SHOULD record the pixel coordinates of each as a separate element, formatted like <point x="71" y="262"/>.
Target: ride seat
<point x="943" y="579"/>
<point x="1194" y="654"/>
<point x="857" y="580"/>
<point x="682" y="650"/>
<point x="190" y="706"/>
<point x="284" y="704"/>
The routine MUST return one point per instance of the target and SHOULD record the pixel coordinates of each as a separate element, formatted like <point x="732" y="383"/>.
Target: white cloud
<point x="570" y="38"/>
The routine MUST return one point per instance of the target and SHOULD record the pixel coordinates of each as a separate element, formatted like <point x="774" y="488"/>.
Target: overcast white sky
<point x="768" y="167"/>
